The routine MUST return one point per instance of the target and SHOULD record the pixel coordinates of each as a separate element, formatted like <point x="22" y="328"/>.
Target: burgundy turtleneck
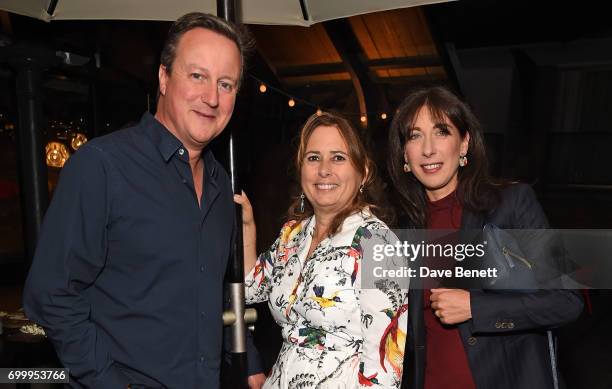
<point x="446" y="362"/>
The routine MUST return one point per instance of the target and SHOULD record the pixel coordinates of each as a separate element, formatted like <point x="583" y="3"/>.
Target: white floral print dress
<point x="336" y="335"/>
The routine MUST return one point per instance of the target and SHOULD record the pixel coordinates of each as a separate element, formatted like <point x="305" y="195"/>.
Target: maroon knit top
<point x="446" y="362"/>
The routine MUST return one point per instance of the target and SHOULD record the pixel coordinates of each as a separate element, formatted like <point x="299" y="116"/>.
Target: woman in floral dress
<point x="336" y="333"/>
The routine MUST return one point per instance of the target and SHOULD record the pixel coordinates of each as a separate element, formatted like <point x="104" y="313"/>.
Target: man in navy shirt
<point x="127" y="279"/>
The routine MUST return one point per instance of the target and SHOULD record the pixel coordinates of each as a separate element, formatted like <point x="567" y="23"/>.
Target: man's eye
<point x="197" y="76"/>
<point x="226" y="86"/>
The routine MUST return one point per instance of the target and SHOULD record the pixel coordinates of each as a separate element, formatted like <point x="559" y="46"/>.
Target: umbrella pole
<point x="235" y="273"/>
<point x="29" y="63"/>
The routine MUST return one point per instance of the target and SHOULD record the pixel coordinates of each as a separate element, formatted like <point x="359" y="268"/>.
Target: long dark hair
<point x="476" y="190"/>
<point x="360" y="160"/>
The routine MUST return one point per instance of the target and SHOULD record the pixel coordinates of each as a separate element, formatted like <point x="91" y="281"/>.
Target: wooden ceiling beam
<point x="261" y="67"/>
<point x="369" y="94"/>
<point x="401" y="80"/>
<point x="374" y="64"/>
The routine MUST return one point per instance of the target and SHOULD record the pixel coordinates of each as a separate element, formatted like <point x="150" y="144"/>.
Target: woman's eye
<point x="444" y="131"/>
<point x="338" y="157"/>
<point x="413" y="136"/>
<point x="312" y="158"/>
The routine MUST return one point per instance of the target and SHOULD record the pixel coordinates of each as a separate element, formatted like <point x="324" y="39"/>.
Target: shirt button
<point x="181" y="151"/>
<point x="201" y="268"/>
<point x="472" y="340"/>
<point x="201" y="358"/>
<point x="202" y="313"/>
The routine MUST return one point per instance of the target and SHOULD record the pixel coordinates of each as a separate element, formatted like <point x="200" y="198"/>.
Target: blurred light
<point x="291" y="103"/>
<point x="363" y="118"/>
<point x="263" y="88"/>
<point x="319" y="112"/>
<point x="383" y="116"/>
<point x="78" y="140"/>
<point x="57" y="154"/>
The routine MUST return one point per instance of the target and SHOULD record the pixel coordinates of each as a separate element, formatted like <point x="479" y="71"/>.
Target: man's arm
<point x="70" y="254"/>
<point x="254" y="367"/>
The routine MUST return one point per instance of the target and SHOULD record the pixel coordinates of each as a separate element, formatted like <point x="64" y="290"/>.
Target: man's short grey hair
<point x="235" y="32"/>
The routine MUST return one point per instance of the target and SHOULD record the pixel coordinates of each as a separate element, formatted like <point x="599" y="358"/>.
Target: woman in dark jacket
<point x="458" y="338"/>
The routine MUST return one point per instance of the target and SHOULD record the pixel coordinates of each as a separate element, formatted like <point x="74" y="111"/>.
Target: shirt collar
<point x="210" y="163"/>
<point x="167" y="144"/>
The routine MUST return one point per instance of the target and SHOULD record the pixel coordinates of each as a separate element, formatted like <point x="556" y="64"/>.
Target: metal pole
<point x="226" y="9"/>
<point x="33" y="172"/>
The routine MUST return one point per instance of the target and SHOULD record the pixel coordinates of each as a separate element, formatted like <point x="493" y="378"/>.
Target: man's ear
<point x="163" y="79"/>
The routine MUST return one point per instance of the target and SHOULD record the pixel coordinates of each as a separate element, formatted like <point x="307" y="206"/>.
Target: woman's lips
<point x="431" y="168"/>
<point x="326" y="186"/>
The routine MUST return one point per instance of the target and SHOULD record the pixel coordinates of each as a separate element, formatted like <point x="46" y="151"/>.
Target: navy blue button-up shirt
<point x="128" y="274"/>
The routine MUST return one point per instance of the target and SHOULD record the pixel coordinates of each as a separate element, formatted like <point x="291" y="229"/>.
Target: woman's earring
<point x="302" y="202"/>
<point x="361" y="189"/>
<point x="407" y="168"/>
<point x="463" y="161"/>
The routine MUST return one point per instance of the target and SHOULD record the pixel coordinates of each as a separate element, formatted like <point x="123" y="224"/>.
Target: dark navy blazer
<point x="505" y="341"/>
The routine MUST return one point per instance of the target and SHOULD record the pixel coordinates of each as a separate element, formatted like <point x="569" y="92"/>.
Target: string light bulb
<point x="291" y="103"/>
<point x="263" y="88"/>
<point x="383" y="116"/>
<point x="319" y="112"/>
<point x="363" y="118"/>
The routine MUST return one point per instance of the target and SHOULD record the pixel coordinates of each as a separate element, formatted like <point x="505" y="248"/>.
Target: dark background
<point x="538" y="74"/>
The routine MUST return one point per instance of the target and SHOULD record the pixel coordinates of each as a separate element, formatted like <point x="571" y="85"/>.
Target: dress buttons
<point x="202" y="313"/>
<point x="181" y="151"/>
<point x="472" y="340"/>
<point x="201" y="268"/>
<point x="201" y="358"/>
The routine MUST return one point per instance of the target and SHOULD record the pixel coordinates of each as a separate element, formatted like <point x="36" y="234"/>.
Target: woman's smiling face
<point x="329" y="179"/>
<point x="432" y="150"/>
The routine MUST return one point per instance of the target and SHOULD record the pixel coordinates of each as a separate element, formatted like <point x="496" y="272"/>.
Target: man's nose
<point x="210" y="94"/>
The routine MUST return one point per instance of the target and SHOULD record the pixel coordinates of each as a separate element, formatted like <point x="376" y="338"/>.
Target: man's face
<point x="197" y="98"/>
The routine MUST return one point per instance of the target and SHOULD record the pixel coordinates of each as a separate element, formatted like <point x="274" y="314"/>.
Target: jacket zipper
<point x="514" y="255"/>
